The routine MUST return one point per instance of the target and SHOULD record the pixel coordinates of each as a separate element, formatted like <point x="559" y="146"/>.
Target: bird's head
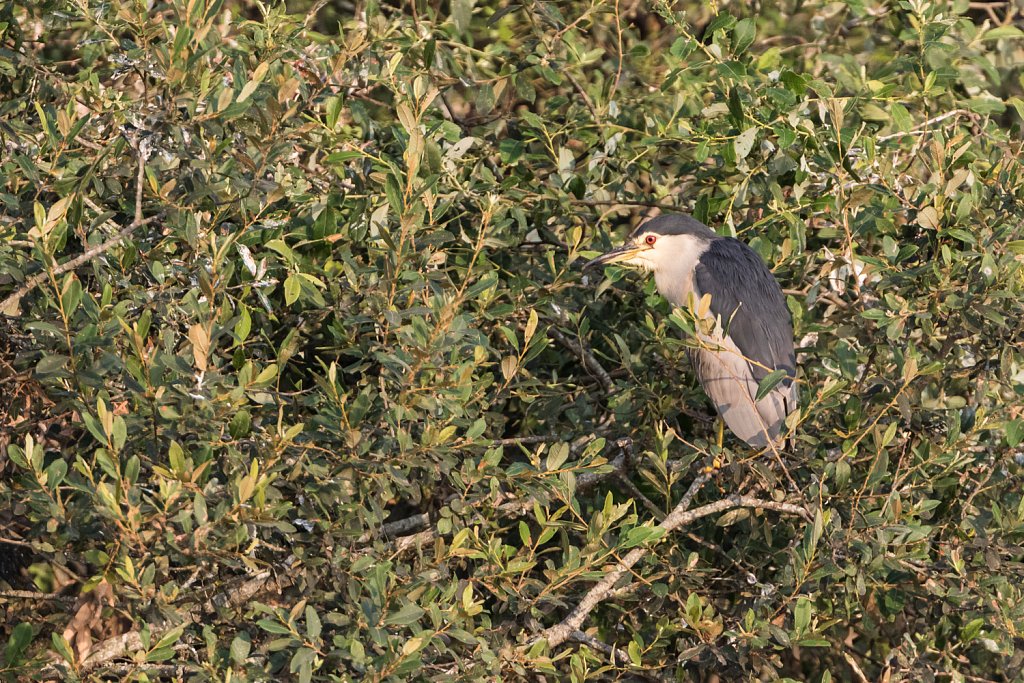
<point x="660" y="244"/>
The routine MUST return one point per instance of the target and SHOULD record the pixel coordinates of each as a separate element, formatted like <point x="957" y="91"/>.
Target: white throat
<point x="674" y="276"/>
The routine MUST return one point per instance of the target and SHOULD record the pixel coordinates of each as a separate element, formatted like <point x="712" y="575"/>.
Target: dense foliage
<point x="341" y="404"/>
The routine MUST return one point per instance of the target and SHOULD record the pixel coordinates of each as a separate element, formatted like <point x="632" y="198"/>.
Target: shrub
<point x="304" y="379"/>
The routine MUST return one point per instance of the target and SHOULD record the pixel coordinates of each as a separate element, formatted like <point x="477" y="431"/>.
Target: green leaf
<point x="393" y="190"/>
<point x="275" y="627"/>
<point x="63" y="648"/>
<point x="682" y="47"/>
<point x="723" y="20"/>
<point x="986" y="105"/>
<point x="462" y="14"/>
<point x="244" y="324"/>
<point x="635" y="654"/>
<point x="249" y="88"/>
<point x="313" y="626"/>
<point x="56" y="472"/>
<point x="1014" y="432"/>
<point x="801" y="615"/>
<point x="813" y="642"/>
<point x="292" y="289"/>
<point x="169" y="638"/>
<point x="199" y="510"/>
<point x="410" y="613"/>
<point x="1002" y="32"/>
<point x="240" y="647"/>
<point x="638" y="536"/>
<point x="769" y="382"/>
<point x="900" y="117"/>
<point x="21" y="636"/>
<point x="94" y="427"/>
<point x="48" y="365"/>
<point x="743" y="35"/>
<point x="240" y="424"/>
<point x="476" y="430"/>
<point x="744" y="142"/>
<point x="557" y="457"/>
<point x="972" y="630"/>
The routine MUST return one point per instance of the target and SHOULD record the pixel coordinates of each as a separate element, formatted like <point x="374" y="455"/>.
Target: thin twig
<point x="586" y="98"/>
<point x="624" y="202"/>
<point x="9" y="306"/>
<point x="637" y="494"/>
<point x="524" y="440"/>
<point x="121" y="645"/>
<point x="559" y="633"/>
<point x="510" y="508"/>
<point x="618" y="60"/>
<point x="139" y="177"/>
<point x="615" y="654"/>
<point x="586" y="356"/>
<point x="924" y="125"/>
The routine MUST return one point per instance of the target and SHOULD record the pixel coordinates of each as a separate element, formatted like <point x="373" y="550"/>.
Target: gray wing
<point x="759" y="339"/>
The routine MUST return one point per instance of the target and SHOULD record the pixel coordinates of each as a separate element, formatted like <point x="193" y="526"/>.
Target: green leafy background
<point x="358" y="301"/>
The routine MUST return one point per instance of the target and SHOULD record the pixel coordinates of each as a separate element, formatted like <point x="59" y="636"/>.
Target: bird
<point x="747" y="331"/>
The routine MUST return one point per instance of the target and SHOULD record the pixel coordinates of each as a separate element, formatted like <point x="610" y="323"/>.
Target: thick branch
<point x="680" y="516"/>
<point x="122" y="645"/>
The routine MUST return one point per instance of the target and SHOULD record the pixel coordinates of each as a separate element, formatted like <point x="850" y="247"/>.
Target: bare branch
<point x="559" y="633"/>
<point x="924" y="125"/>
<point x="511" y="508"/>
<point x="524" y="440"/>
<point x="10" y="305"/>
<point x="625" y="202"/>
<point x="585" y="97"/>
<point x="591" y="363"/>
<point x="34" y="596"/>
<point x="616" y="655"/>
<point x="122" y="645"/>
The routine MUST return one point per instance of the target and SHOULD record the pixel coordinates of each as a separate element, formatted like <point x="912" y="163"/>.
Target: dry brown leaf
<point x="89" y="625"/>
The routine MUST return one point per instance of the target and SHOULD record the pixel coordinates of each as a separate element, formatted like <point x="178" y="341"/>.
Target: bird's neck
<point x="675" y="278"/>
<point x="674" y="285"/>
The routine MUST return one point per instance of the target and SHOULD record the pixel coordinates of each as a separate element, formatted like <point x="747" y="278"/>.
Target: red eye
<point x="650" y="240"/>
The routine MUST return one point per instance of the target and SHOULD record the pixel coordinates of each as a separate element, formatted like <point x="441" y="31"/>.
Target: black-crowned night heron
<point x="743" y="335"/>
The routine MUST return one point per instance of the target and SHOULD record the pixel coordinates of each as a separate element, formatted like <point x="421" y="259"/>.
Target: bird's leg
<point x="716" y="461"/>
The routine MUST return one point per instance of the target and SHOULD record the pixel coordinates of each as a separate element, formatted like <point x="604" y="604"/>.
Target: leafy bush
<point x="304" y="381"/>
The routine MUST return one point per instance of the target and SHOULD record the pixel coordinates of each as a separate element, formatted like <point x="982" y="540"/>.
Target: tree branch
<point x="10" y="306"/>
<point x="512" y="508"/>
<point x="123" y="644"/>
<point x="559" y="633"/>
<point x="615" y="654"/>
<point x="589" y="361"/>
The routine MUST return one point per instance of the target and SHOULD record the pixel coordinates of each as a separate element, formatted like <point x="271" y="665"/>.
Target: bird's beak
<point x="623" y="253"/>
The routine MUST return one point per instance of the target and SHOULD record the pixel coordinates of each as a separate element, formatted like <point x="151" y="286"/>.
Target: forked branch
<point x="11" y="305"/>
<point x="679" y="517"/>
